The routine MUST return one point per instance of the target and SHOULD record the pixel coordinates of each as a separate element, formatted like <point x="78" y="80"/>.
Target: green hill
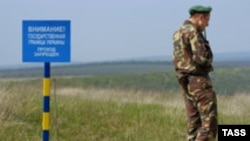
<point x="228" y="77"/>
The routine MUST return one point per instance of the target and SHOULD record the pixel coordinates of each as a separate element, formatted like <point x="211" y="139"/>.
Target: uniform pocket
<point x="198" y="83"/>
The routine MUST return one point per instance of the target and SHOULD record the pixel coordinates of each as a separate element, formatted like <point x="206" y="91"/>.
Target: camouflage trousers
<point x="201" y="106"/>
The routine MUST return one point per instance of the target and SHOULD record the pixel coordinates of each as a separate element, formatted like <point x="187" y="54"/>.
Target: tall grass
<point x="103" y="114"/>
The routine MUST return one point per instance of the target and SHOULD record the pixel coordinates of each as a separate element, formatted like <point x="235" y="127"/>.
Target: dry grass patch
<point x="235" y="105"/>
<point x="122" y="96"/>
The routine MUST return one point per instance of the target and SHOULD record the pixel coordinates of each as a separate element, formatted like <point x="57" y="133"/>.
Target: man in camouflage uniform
<point x="192" y="59"/>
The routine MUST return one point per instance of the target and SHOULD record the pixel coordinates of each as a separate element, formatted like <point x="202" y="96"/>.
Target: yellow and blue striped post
<point x="46" y="102"/>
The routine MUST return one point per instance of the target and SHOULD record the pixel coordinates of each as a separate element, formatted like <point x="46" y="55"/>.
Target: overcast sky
<point x="105" y="30"/>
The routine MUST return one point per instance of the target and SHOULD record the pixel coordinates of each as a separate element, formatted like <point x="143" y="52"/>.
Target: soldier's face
<point x="203" y="21"/>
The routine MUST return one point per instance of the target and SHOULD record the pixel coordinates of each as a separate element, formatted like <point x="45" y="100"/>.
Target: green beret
<point x="199" y="9"/>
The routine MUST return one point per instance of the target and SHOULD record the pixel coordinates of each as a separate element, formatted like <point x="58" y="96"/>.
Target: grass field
<point x="80" y="113"/>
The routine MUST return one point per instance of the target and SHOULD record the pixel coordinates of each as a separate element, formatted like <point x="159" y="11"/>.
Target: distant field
<point x="228" y="78"/>
<point x="105" y="68"/>
<point x="89" y="69"/>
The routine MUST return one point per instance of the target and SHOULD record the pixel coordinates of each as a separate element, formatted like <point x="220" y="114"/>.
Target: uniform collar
<point x="190" y="23"/>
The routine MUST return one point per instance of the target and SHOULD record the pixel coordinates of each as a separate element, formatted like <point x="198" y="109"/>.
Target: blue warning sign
<point x="46" y="41"/>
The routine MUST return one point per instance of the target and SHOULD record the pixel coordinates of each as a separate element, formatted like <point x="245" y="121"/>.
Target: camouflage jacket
<point x="192" y="53"/>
